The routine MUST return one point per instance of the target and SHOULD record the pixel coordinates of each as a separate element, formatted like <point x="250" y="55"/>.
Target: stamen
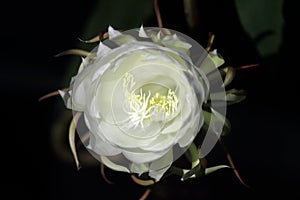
<point x="139" y="109"/>
<point x="128" y="81"/>
<point x="141" y="106"/>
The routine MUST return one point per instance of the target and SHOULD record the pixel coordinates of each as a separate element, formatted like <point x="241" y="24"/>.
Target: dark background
<point x="264" y="142"/>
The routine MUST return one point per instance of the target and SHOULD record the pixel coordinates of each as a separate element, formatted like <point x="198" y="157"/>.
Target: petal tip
<point x="142" y="32"/>
<point x="112" y="32"/>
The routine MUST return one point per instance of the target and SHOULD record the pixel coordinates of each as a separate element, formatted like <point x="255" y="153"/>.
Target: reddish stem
<point x="51" y="94"/>
<point x="157" y="13"/>
<point x="247" y="66"/>
<point x="146" y="194"/>
<point x="229" y="158"/>
<point x="103" y="174"/>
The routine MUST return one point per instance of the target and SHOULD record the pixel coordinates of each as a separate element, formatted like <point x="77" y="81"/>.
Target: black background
<point x="264" y="142"/>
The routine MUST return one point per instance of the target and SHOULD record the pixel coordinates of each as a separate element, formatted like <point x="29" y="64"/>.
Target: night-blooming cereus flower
<point x="141" y="94"/>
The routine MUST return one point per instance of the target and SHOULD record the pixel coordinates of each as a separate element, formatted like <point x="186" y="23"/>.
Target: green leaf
<point x="210" y="170"/>
<point x="193" y="173"/>
<point x="235" y="96"/>
<point x="229" y="75"/>
<point x="263" y="21"/>
<point x="217" y="117"/>
<point x="191" y="13"/>
<point x="226" y="128"/>
<point x="216" y="58"/>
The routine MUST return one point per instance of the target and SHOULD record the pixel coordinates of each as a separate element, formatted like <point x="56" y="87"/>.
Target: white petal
<point x="82" y="65"/>
<point x="122" y="39"/>
<point x="191" y="121"/>
<point x="159" y="35"/>
<point x="143" y="157"/>
<point x="160" y="166"/>
<point x="102" y="148"/>
<point x="114" y="135"/>
<point x="102" y="50"/>
<point x="174" y="42"/>
<point x="173" y="126"/>
<point x="79" y="94"/>
<point x="190" y="132"/>
<point x="66" y="96"/>
<point x="112" y="32"/>
<point x="142" y="33"/>
<point x="214" y="52"/>
<point x="99" y="72"/>
<point x="161" y="143"/>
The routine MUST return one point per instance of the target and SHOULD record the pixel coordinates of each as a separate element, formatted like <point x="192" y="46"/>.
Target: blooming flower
<point x="141" y="94"/>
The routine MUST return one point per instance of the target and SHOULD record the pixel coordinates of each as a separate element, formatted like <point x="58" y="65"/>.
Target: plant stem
<point x="157" y="13"/>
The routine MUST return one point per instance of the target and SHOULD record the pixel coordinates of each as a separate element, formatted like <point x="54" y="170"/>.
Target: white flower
<point x="141" y="93"/>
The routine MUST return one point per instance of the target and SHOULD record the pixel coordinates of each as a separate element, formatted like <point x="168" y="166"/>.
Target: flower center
<point x="144" y="106"/>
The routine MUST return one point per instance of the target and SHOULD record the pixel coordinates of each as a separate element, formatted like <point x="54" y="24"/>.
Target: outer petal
<point x="101" y="147"/>
<point x="139" y="168"/>
<point x="173" y="42"/>
<point x="142" y="156"/>
<point x="142" y="33"/>
<point x="160" y="166"/>
<point x="122" y="39"/>
<point x="79" y="95"/>
<point x="113" y="165"/>
<point x="102" y="50"/>
<point x="191" y="123"/>
<point x="113" y="33"/>
<point x="66" y="97"/>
